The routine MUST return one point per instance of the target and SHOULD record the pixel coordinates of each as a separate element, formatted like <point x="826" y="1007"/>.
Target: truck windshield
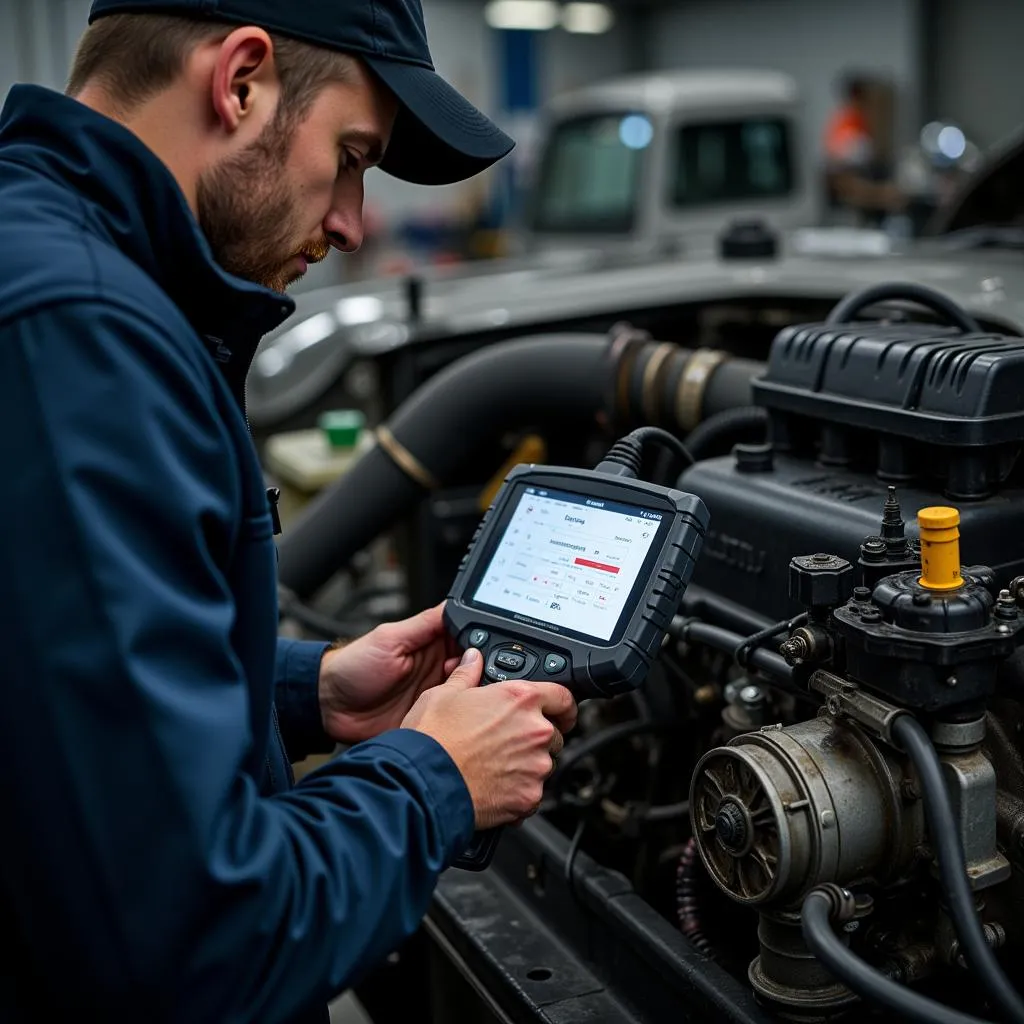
<point x="590" y="174"/>
<point x="727" y="161"/>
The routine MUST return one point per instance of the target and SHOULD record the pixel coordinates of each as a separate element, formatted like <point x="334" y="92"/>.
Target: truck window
<point x="732" y="160"/>
<point x="590" y="174"/>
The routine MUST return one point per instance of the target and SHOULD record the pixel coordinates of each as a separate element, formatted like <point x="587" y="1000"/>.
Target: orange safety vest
<point x="848" y="138"/>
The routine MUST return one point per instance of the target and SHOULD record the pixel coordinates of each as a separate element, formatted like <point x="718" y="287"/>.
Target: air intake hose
<point x="556" y="380"/>
<point x="543" y="381"/>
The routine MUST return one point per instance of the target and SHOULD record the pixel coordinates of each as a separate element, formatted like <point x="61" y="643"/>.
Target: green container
<point x="342" y="427"/>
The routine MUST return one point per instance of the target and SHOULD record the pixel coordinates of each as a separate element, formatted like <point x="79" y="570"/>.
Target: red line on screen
<point x="597" y="565"/>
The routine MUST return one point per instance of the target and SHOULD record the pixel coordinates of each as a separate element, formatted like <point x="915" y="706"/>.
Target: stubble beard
<point x="247" y="213"/>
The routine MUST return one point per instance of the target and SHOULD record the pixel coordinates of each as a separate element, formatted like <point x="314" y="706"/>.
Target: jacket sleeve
<point x="148" y="875"/>
<point x="296" y="693"/>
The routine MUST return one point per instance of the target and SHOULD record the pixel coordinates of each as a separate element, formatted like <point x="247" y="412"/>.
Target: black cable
<point x="619" y="814"/>
<point x="755" y="639"/>
<point x="856" y="302"/>
<point x="590" y="745"/>
<point x="699" y="603"/>
<point x="746" y="422"/>
<point x="570" y="857"/>
<point x="628" y="452"/>
<point x="772" y="665"/>
<point x="667" y="812"/>
<point x="644" y="434"/>
<point x="727" y="642"/>
<point x="862" y="978"/>
<point x="945" y="841"/>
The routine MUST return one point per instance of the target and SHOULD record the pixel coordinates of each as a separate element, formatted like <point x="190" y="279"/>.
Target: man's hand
<point x="368" y="686"/>
<point x="503" y="738"/>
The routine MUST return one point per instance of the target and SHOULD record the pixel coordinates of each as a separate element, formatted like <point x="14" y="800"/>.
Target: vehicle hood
<point x="333" y="327"/>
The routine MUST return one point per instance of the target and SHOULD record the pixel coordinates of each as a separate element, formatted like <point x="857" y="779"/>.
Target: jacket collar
<point x="132" y="200"/>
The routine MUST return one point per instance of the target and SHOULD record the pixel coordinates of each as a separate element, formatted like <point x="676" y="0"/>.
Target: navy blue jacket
<point x="157" y="862"/>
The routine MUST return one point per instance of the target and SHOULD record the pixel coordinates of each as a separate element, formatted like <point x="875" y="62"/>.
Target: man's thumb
<point x="467" y="674"/>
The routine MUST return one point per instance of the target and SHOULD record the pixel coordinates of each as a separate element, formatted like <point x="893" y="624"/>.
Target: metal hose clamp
<point x="405" y="460"/>
<point x="649" y="399"/>
<point x="690" y="396"/>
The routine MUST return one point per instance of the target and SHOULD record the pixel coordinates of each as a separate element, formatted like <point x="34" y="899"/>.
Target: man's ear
<point x="245" y="85"/>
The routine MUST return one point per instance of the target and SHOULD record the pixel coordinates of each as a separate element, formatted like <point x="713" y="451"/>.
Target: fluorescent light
<point x="530" y="15"/>
<point x="588" y="18"/>
<point x="359" y="309"/>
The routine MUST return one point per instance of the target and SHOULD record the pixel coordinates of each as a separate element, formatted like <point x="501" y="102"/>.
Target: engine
<point x="822" y="785"/>
<point x="893" y="634"/>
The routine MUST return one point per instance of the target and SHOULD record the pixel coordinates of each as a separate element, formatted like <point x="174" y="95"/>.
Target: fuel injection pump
<point x="837" y="819"/>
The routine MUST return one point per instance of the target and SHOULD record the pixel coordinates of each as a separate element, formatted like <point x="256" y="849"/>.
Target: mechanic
<point x="159" y="863"/>
<point x="856" y="183"/>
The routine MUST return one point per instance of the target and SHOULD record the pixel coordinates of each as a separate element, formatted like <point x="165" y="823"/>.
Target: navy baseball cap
<point x="439" y="136"/>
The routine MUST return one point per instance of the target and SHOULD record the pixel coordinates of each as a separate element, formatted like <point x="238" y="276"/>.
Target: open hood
<point x="992" y="197"/>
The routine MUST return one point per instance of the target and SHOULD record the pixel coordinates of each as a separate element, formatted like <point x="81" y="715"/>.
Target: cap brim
<point x="439" y="137"/>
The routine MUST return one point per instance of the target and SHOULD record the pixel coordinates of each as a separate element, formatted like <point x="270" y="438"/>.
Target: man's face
<point x="279" y="205"/>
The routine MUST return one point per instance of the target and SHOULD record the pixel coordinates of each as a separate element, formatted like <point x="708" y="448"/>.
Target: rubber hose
<point x="944" y="837"/>
<point x="862" y="978"/>
<point x="653" y="376"/>
<point x="699" y="603"/>
<point x="728" y="642"/>
<point x="551" y="380"/>
<point x="729" y="386"/>
<point x="726" y="425"/>
<point x="856" y="302"/>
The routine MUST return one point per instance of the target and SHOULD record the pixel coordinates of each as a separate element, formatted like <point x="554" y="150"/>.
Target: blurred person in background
<point x="858" y="188"/>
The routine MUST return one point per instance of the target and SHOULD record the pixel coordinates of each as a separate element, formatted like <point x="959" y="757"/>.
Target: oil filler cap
<point x="939" y="527"/>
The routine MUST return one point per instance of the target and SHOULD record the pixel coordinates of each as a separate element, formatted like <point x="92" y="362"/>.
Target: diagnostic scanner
<point x="573" y="576"/>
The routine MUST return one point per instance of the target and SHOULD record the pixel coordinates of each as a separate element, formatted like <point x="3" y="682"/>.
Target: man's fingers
<point x="555" y="699"/>
<point x="468" y="671"/>
<point x="557" y="742"/>
<point x="421" y="629"/>
<point x="451" y="665"/>
<point x="557" y="704"/>
<point x="565" y="722"/>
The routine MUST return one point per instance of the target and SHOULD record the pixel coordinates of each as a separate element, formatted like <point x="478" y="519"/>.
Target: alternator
<point x="779" y="811"/>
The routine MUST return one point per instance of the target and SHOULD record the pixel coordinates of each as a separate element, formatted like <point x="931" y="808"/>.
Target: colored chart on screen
<point x="569" y="560"/>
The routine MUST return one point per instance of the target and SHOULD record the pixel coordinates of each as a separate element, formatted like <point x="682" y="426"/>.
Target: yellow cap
<point x="940" y="548"/>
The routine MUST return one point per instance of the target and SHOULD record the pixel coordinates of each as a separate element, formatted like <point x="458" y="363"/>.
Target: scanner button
<point x="479" y="637"/>
<point x="510" y="660"/>
<point x="553" y="664"/>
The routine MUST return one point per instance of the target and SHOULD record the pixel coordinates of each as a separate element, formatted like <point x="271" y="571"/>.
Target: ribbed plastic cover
<point x="912" y="380"/>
